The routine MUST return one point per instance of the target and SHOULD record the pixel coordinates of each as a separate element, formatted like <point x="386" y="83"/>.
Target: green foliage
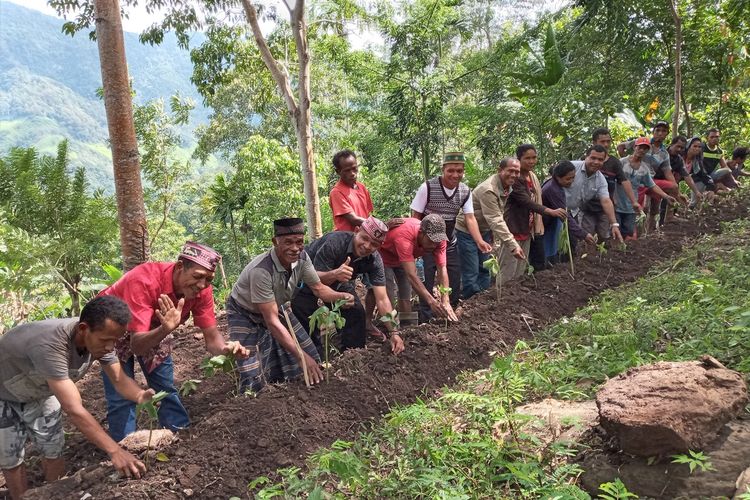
<point x="695" y="460"/>
<point x="189" y="386"/>
<point x="50" y="214"/>
<point x="327" y="321"/>
<point x="391" y="319"/>
<point x="469" y="443"/>
<point x="222" y="363"/>
<point x="615" y="490"/>
<point x="151" y="411"/>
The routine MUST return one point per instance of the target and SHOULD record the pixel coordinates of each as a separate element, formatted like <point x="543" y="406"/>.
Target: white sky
<point x="139" y="18"/>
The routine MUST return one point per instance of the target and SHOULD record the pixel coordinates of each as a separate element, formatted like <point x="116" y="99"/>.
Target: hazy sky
<point x="139" y="18"/>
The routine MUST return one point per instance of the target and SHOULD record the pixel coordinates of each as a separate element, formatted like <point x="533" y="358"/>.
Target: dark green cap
<point x="454" y="157"/>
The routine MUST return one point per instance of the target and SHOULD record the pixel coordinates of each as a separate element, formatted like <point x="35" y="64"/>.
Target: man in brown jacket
<point x="488" y="200"/>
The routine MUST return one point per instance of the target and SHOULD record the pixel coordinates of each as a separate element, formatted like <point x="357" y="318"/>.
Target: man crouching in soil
<point x="39" y="365"/>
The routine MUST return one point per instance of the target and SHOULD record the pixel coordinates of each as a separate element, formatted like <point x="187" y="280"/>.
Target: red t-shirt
<point x="400" y="245"/>
<point x="347" y="200"/>
<point x="140" y="289"/>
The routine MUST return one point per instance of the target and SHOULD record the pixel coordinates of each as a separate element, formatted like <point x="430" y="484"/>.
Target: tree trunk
<point x="299" y="112"/>
<point x="677" y="67"/>
<point x="304" y="121"/>
<point x="131" y="212"/>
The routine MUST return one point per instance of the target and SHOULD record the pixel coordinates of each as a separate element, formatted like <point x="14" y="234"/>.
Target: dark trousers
<point x="453" y="262"/>
<point x="353" y="333"/>
<point x="536" y="253"/>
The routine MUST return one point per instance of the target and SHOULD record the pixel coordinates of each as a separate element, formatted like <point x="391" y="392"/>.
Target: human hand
<point x="168" y="314"/>
<point x="349" y="298"/>
<point x="344" y="272"/>
<point x="638" y="208"/>
<point x="236" y="349"/>
<point x="616" y="234"/>
<point x="126" y="464"/>
<point x="518" y="253"/>
<point x="145" y="396"/>
<point x="560" y="213"/>
<point x="590" y="239"/>
<point x="397" y="343"/>
<point x="485" y="247"/>
<point x="314" y="373"/>
<point x="394" y="223"/>
<point x="671" y="200"/>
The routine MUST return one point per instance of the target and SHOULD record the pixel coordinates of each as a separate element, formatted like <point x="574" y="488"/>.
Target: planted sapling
<point x="328" y="321"/>
<point x="444" y="291"/>
<point x="564" y="246"/>
<point x="151" y="410"/>
<point x="222" y="363"/>
<point x="493" y="266"/>
<point x="188" y="387"/>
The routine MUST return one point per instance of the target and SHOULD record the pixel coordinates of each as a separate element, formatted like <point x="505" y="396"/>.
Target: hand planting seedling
<point x="223" y="363"/>
<point x="444" y="291"/>
<point x="493" y="266"/>
<point x="391" y="319"/>
<point x="151" y="410"/>
<point x="328" y="321"/>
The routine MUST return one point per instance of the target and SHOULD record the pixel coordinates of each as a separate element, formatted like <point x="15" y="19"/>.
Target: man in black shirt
<point x="613" y="173"/>
<point x="339" y="257"/>
<point x="714" y="163"/>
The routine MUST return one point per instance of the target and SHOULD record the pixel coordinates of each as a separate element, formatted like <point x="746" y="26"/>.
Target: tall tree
<point x="131" y="212"/>
<point x="299" y="108"/>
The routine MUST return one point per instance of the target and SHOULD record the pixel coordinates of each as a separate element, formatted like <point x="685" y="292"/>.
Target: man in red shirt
<point x="399" y="251"/>
<point x="350" y="200"/>
<point x="161" y="296"/>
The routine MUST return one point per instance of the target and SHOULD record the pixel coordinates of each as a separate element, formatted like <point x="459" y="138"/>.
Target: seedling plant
<point x="564" y="245"/>
<point x="444" y="291"/>
<point x="328" y="322"/>
<point x="222" y="363"/>
<point x="695" y="460"/>
<point x="493" y="266"/>
<point x="391" y="319"/>
<point x="151" y="410"/>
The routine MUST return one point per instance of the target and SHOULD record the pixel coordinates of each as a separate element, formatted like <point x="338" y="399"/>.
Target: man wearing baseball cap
<point x="339" y="257"/>
<point x="414" y="238"/>
<point x="162" y="296"/>
<point x="658" y="149"/>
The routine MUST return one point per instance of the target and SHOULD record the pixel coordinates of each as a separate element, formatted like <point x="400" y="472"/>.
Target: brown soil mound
<point x="234" y="440"/>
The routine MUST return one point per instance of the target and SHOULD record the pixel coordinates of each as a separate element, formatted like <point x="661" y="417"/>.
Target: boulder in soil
<point x="138" y="440"/>
<point x="670" y="407"/>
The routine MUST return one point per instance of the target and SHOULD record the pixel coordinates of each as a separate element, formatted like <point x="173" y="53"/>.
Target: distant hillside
<point x="48" y="84"/>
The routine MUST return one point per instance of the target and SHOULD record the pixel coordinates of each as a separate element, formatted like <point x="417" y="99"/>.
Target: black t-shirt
<point x="677" y="164"/>
<point x="711" y="158"/>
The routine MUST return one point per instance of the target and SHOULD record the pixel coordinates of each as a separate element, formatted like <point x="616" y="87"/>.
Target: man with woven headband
<point x="162" y="296"/>
<point x="259" y="315"/>
<point x="339" y="257"/>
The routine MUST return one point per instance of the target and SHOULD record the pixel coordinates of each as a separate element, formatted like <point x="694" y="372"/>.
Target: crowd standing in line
<point x="453" y="230"/>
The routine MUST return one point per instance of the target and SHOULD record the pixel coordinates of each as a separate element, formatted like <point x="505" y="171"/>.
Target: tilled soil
<point x="233" y="440"/>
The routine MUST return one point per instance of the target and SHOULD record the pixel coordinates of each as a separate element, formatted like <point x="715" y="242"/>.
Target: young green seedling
<point x="602" y="249"/>
<point x="188" y="387"/>
<point x="222" y="363"/>
<point x="564" y="245"/>
<point x="328" y="321"/>
<point x="444" y="291"/>
<point x="391" y="319"/>
<point x="151" y="410"/>
<point x="493" y="266"/>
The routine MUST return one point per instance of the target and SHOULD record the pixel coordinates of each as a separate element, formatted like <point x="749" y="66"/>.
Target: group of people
<point x="365" y="265"/>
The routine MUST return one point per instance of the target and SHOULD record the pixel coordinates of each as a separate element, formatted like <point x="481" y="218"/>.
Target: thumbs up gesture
<point x="344" y="271"/>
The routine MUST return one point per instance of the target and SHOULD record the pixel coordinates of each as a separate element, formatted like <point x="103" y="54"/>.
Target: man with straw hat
<point x="162" y="296"/>
<point x="260" y="317"/>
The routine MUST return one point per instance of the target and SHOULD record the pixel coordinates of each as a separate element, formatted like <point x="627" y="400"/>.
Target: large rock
<point x="670" y="407"/>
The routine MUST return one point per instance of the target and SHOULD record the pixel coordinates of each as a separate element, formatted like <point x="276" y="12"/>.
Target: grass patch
<point x="471" y="443"/>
